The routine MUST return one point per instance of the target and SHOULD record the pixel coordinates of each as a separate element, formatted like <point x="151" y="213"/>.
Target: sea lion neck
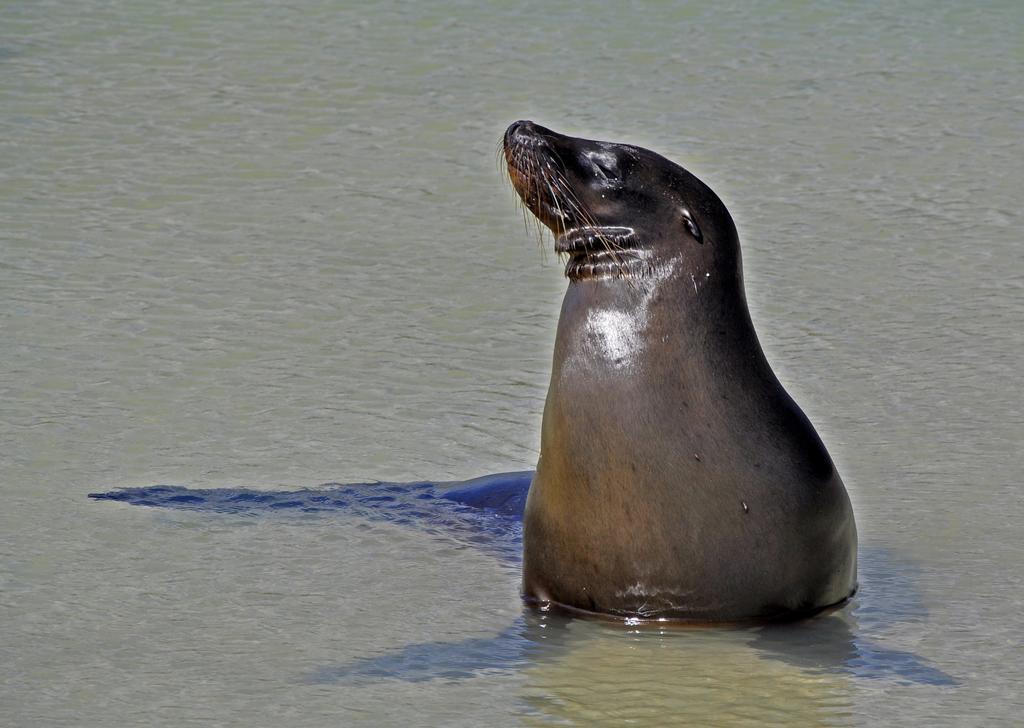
<point x="619" y="324"/>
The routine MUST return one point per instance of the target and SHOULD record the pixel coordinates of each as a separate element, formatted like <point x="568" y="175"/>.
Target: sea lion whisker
<point x="554" y="200"/>
<point x="519" y="162"/>
<point x="611" y="246"/>
<point x="537" y="176"/>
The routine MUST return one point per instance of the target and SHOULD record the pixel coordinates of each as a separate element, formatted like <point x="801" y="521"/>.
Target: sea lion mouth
<point x="590" y="238"/>
<point x="537" y="174"/>
<point x="608" y="251"/>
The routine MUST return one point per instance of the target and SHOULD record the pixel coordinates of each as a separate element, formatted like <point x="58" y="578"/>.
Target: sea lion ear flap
<point x="691" y="225"/>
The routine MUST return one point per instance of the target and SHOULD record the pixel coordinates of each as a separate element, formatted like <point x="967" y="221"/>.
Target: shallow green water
<point x="268" y="245"/>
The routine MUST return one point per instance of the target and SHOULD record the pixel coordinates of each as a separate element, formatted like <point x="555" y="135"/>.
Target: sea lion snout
<point x="526" y="132"/>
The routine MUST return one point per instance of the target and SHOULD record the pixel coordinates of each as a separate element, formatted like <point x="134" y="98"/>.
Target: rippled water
<point x="267" y="246"/>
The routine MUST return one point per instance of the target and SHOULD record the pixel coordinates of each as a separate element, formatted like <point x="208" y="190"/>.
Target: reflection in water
<point x="487" y="513"/>
<point x="686" y="677"/>
<point x="595" y="673"/>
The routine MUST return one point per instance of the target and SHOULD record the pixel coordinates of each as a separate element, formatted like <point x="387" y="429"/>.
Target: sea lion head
<point x="618" y="210"/>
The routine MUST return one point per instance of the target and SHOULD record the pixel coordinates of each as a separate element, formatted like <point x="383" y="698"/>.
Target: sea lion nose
<point x="517" y="131"/>
<point x="525" y="132"/>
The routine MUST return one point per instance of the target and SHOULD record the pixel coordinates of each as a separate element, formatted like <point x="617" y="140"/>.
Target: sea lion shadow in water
<point x="487" y="514"/>
<point x="846" y="642"/>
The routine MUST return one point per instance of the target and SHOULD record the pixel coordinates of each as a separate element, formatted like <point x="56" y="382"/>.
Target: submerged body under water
<point x="486" y="513"/>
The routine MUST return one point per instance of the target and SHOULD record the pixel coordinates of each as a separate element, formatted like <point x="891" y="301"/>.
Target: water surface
<point x="267" y="246"/>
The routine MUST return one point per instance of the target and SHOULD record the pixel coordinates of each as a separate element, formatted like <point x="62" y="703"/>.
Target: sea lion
<point x="677" y="479"/>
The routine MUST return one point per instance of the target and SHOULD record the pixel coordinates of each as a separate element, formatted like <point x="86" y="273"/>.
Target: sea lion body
<point x="677" y="479"/>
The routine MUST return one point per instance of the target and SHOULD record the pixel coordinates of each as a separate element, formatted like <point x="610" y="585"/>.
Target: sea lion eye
<point x="691" y="225"/>
<point x="604" y="165"/>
